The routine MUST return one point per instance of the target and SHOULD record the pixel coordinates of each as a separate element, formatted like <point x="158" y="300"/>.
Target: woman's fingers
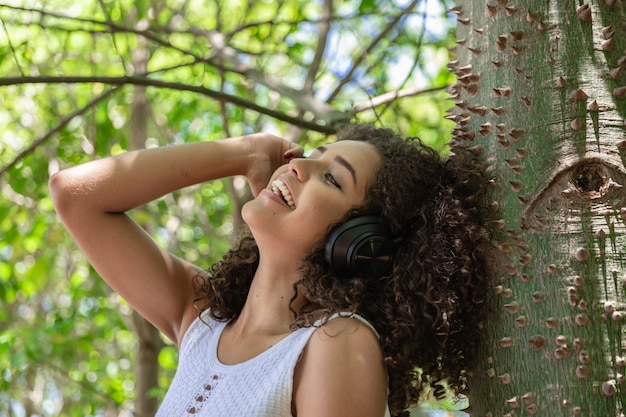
<point x="294" y="152"/>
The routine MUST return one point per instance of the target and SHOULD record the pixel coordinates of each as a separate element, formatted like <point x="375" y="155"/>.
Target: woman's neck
<point x="268" y="307"/>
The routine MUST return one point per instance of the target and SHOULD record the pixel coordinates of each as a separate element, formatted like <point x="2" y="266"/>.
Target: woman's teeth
<point x="279" y="188"/>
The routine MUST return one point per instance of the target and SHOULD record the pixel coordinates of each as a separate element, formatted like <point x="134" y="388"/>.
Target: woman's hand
<point x="268" y="152"/>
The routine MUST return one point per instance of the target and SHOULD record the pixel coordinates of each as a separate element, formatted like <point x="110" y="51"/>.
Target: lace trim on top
<point x="202" y="396"/>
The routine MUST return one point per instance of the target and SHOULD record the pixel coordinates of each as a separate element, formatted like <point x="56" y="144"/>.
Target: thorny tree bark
<point x="542" y="94"/>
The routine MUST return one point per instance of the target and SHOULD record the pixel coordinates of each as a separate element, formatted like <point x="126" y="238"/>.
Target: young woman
<point x="295" y="320"/>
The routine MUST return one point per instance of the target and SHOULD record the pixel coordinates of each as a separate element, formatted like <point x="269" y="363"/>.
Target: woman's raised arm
<point x="91" y="200"/>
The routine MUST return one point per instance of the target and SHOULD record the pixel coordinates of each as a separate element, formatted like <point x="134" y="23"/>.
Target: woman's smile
<point x="280" y="188"/>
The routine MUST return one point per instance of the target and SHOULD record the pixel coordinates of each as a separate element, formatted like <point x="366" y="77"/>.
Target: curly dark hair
<point x="429" y="308"/>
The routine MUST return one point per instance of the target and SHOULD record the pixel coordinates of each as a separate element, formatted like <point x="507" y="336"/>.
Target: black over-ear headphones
<point x="362" y="246"/>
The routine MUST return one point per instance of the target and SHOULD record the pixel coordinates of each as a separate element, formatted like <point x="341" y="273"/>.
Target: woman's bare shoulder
<point x="343" y="364"/>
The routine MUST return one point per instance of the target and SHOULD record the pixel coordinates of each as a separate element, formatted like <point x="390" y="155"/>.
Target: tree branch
<point x="382" y="35"/>
<point x="418" y="52"/>
<point x="149" y="82"/>
<point x="306" y="101"/>
<point x="13" y="52"/>
<point x="112" y="28"/>
<point x="390" y="97"/>
<point x="324" y="28"/>
<point x="224" y="53"/>
<point x="109" y="27"/>
<point x="64" y="122"/>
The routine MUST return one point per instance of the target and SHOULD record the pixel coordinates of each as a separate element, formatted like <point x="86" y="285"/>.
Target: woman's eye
<point x="329" y="178"/>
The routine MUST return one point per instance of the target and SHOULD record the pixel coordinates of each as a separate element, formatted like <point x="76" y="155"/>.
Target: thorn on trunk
<point x="620" y="92"/>
<point x="584" y="12"/>
<point x="498" y="111"/>
<point x="593" y="106"/>
<point x="582" y="371"/>
<point x="561" y="82"/>
<point x="616" y="73"/>
<point x="517" y="35"/>
<point x="532" y="16"/>
<point x="577" y="123"/>
<point x="511" y="10"/>
<point x="537" y="342"/>
<point x="607" y="44"/>
<point x="578" y="95"/>
<point x="608" y="388"/>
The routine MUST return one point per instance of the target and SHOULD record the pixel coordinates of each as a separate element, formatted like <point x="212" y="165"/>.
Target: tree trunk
<point x="147" y="374"/>
<point x="149" y="342"/>
<point x="541" y="91"/>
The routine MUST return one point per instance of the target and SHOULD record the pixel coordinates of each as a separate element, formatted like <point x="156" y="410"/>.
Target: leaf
<point x="367" y="6"/>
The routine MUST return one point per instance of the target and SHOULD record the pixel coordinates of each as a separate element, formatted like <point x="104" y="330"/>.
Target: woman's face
<point x="306" y="196"/>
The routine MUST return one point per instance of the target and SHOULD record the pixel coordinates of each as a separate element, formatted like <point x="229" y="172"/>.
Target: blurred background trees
<point x="84" y="79"/>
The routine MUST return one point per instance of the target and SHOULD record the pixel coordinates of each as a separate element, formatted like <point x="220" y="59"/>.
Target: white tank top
<point x="259" y="387"/>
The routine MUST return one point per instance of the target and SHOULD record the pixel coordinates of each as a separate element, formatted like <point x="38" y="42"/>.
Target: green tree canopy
<point x="84" y="79"/>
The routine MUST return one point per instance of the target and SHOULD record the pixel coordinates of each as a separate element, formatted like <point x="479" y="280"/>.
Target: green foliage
<point x="213" y="68"/>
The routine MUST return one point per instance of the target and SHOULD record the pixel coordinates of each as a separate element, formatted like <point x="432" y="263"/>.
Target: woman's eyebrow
<point x="341" y="161"/>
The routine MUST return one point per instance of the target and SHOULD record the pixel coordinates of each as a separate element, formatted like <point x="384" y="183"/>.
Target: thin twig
<point x="110" y="28"/>
<point x="390" y="97"/>
<point x="164" y="29"/>
<point x="110" y="25"/>
<point x="324" y="29"/>
<point x="357" y="62"/>
<point x="6" y="33"/>
<point x="418" y="52"/>
<point x="64" y="122"/>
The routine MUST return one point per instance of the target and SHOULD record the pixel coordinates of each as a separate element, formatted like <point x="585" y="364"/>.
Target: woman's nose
<point x="302" y="168"/>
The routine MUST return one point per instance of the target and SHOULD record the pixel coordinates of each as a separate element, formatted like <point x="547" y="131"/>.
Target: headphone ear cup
<point x="361" y="246"/>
